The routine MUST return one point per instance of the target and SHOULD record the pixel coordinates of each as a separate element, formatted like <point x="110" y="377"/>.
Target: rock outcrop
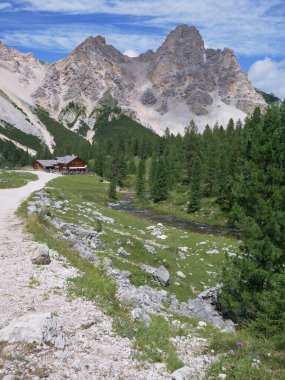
<point x="34" y="328"/>
<point x="180" y="81"/>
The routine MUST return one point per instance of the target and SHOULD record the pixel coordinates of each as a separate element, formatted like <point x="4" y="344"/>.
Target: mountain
<point x="180" y="81"/>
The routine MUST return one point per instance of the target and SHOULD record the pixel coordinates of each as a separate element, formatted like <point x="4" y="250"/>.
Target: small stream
<point x="152" y="215"/>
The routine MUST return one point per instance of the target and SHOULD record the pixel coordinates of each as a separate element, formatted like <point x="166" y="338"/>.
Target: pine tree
<point x="152" y="176"/>
<point x="132" y="169"/>
<point x="160" y="181"/>
<point x="113" y="189"/>
<point x="194" y="202"/>
<point x="254" y="281"/>
<point x="140" y="183"/>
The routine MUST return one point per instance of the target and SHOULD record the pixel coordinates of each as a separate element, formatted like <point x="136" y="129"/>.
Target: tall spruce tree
<point x="113" y="189"/>
<point x="194" y="201"/>
<point x="160" y="183"/>
<point x="254" y="280"/>
<point x="140" y="183"/>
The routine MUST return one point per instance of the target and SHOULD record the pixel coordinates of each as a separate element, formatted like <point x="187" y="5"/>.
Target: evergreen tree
<point x="194" y="202"/>
<point x="140" y="183"/>
<point x="254" y="281"/>
<point x="132" y="169"/>
<point x="152" y="176"/>
<point x="160" y="181"/>
<point x="113" y="189"/>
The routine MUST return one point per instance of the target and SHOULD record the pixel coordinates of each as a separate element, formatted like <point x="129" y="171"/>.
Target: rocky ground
<point x="45" y="334"/>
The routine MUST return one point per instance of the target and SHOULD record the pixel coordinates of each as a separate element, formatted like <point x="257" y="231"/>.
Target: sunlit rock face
<point x="167" y="88"/>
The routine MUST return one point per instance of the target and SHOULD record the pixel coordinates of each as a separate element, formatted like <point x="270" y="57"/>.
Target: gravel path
<point x="93" y="350"/>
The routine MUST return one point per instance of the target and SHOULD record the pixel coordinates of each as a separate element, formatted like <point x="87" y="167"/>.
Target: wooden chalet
<point x="67" y="164"/>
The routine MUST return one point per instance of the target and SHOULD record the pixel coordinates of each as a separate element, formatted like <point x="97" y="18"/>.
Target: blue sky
<point x="254" y="29"/>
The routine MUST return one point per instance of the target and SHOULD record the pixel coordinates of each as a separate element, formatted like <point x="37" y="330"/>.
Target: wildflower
<point x="239" y="344"/>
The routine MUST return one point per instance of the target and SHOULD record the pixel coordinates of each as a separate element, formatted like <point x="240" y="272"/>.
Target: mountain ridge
<point x="180" y="81"/>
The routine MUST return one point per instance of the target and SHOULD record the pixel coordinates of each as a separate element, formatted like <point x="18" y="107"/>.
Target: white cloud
<point x="64" y="38"/>
<point x="5" y="6"/>
<point x="246" y="26"/>
<point x="131" y="53"/>
<point x="269" y="76"/>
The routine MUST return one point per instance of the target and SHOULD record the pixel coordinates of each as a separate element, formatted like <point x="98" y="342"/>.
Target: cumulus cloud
<point x="4" y="6"/>
<point x="269" y="76"/>
<point x="238" y="24"/>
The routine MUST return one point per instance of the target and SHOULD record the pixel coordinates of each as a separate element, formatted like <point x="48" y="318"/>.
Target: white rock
<point x="212" y="252"/>
<point x="161" y="275"/>
<point x="180" y="274"/>
<point x="34" y="328"/>
<point x="162" y="237"/>
<point x="41" y="255"/>
<point x="123" y="252"/>
<point x="202" y="324"/>
<point x="222" y="376"/>
<point x="183" y="373"/>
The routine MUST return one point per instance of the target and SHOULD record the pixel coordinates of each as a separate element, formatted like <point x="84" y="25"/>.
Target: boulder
<point x="141" y="315"/>
<point x="205" y="307"/>
<point x="161" y="275"/>
<point x="123" y="252"/>
<point x="34" y="328"/>
<point x="183" y="373"/>
<point x="41" y="255"/>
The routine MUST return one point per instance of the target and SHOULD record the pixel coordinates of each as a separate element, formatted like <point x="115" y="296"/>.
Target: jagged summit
<point x="180" y="81"/>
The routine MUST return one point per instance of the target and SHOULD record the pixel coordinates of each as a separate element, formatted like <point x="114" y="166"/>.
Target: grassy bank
<point x="12" y="179"/>
<point x="255" y="359"/>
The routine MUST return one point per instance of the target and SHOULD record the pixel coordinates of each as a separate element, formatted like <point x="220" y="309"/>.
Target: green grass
<point x="153" y="343"/>
<point x="93" y="284"/>
<point x="258" y="359"/>
<point x="176" y="205"/>
<point x="12" y="179"/>
<point x="201" y="269"/>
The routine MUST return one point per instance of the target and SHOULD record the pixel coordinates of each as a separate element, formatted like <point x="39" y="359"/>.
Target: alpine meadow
<point x="142" y="190"/>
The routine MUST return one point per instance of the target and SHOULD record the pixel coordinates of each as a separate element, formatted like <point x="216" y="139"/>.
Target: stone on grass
<point x="34" y="328"/>
<point x="123" y="252"/>
<point x="161" y="275"/>
<point x="180" y="274"/>
<point x="140" y="314"/>
<point x="41" y="255"/>
<point x="202" y="324"/>
<point x="183" y="373"/>
<point x="150" y="249"/>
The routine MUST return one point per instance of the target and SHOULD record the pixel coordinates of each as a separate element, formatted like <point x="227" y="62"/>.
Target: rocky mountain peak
<point x="183" y="45"/>
<point x="180" y="81"/>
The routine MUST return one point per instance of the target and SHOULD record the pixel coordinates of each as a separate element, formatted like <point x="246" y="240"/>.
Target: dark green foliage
<point x="194" y="201"/>
<point x="254" y="286"/>
<point x="140" y="183"/>
<point x="99" y="226"/>
<point x="112" y="189"/>
<point x="269" y="98"/>
<point x="83" y="129"/>
<point x="160" y="181"/>
<point x="66" y="141"/>
<point x="132" y="169"/>
<point x="28" y="140"/>
<point x="11" y="156"/>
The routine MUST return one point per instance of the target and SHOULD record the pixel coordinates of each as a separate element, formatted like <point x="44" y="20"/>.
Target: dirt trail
<point x="95" y="352"/>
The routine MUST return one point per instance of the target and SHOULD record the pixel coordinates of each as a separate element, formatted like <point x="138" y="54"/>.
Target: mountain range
<point x="182" y="80"/>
